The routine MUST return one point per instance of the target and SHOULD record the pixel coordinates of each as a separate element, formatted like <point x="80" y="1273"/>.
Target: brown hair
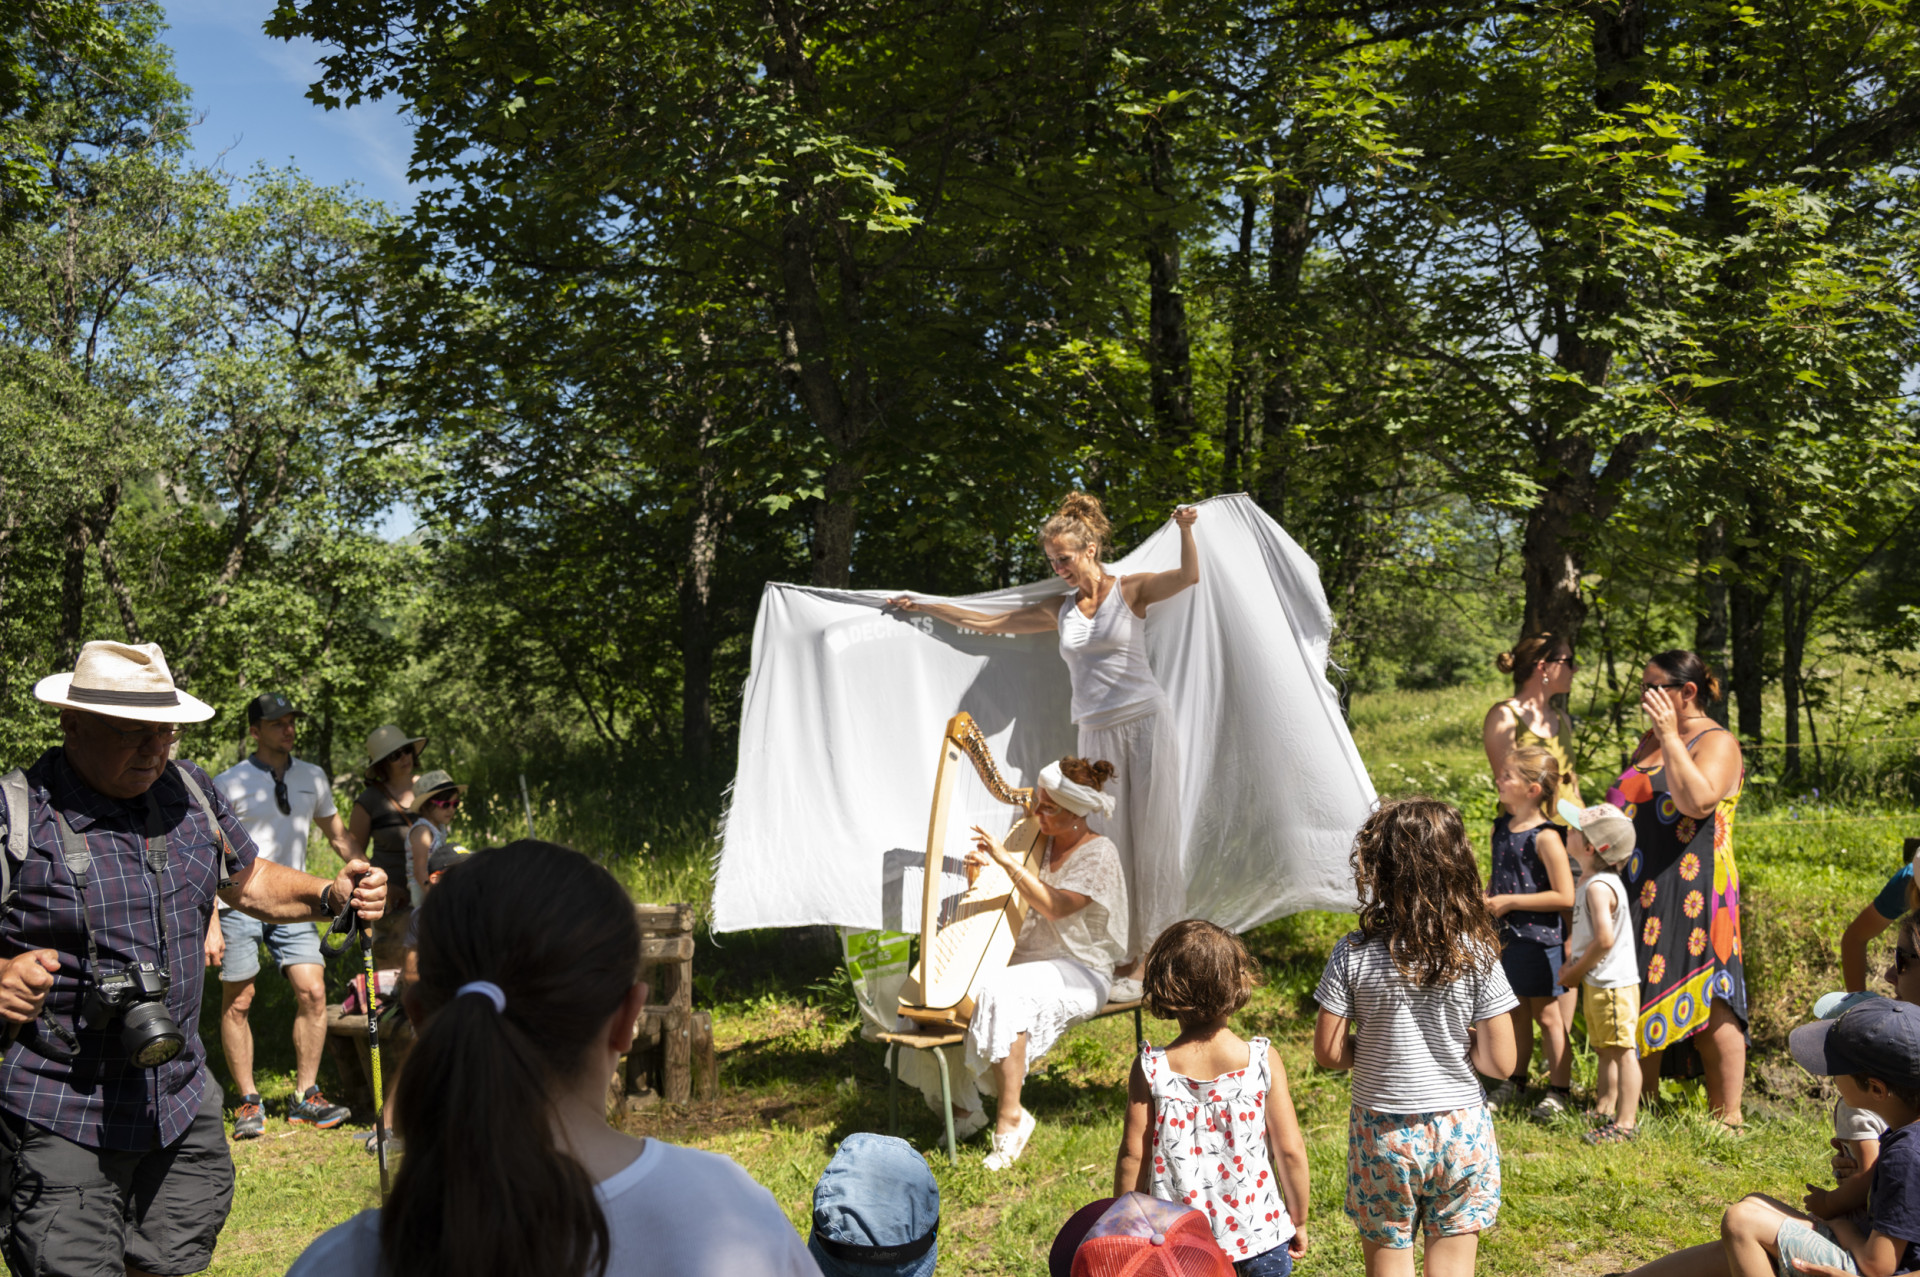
<point x="1683" y="666"/>
<point x="1420" y="891"/>
<point x="1079" y="520"/>
<point x="1538" y="767"/>
<point x="1198" y="974"/>
<point x="485" y="1190"/>
<point x="1085" y="771"/>
<point x="1526" y="656"/>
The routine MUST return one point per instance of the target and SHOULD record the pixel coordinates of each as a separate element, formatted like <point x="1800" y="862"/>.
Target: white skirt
<point x="1040" y="999"/>
<point x="1146" y="820"/>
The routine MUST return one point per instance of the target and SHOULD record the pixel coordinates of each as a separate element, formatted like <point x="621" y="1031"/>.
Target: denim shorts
<point x="1531" y="967"/>
<point x="1277" y="1262"/>
<point x="291" y="943"/>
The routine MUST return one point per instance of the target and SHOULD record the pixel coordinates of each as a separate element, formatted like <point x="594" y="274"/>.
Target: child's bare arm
<point x="1131" y="1169"/>
<point x="1287" y="1149"/>
<point x="1332" y="1043"/>
<point x="1876" y="1254"/>
<point x="1851" y="1195"/>
<point x="1493" y="1050"/>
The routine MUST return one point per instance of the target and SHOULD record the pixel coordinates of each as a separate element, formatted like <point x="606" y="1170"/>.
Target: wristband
<point x="326" y="901"/>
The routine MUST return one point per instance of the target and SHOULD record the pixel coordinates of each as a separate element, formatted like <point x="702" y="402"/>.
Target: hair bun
<point x="1081" y="520"/>
<point x="1504" y="662"/>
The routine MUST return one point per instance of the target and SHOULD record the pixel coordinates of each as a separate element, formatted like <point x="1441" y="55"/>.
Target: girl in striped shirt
<point x="1413" y="1002"/>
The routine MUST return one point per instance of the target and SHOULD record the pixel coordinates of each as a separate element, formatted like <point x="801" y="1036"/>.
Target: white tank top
<point x="1106" y="656"/>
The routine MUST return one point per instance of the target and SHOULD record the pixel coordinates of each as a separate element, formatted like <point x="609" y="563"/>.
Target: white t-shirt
<point x="672" y="1210"/>
<point x="1850" y="1123"/>
<point x="280" y="838"/>
<point x="1096" y="936"/>
<point x="1411" y="1052"/>
<point x="1621" y="966"/>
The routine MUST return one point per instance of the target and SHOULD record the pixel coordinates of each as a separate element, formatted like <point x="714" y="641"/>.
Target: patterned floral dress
<point x="1685" y="893"/>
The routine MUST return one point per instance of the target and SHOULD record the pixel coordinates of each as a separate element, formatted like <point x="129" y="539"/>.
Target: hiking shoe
<point x="1551" y="1105"/>
<point x="313" y="1110"/>
<point x="1503" y="1094"/>
<point x="249" y="1120"/>
<point x="1612" y="1133"/>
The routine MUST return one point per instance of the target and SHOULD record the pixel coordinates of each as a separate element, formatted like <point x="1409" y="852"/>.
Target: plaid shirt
<point x="100" y="1099"/>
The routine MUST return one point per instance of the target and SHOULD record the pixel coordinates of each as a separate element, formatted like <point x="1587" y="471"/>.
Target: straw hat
<point x="123" y="680"/>
<point x="428" y="786"/>
<point x="389" y="738"/>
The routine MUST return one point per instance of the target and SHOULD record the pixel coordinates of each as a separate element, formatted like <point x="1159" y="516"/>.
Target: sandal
<point x="1007" y="1148"/>
<point x="1612" y="1133"/>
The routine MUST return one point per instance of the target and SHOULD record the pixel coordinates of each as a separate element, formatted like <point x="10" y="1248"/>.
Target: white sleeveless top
<point x="1210" y="1150"/>
<point x="1106" y="656"/>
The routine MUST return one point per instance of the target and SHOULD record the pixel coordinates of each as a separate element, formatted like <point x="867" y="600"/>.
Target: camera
<point x="135" y="997"/>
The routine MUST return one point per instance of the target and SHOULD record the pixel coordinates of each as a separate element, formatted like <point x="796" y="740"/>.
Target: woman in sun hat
<point x="383" y="813"/>
<point x="435" y="800"/>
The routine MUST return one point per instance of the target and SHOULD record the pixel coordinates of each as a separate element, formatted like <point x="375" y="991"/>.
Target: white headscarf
<point x="1078" y="799"/>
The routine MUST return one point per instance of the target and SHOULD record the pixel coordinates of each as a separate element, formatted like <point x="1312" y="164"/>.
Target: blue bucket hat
<point x="876" y="1211"/>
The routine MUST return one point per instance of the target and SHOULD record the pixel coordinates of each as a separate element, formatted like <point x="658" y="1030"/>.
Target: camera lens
<point x="150" y="1035"/>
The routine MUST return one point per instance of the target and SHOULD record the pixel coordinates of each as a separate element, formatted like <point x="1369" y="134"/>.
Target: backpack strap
<point x="229" y="859"/>
<point x="15" y="807"/>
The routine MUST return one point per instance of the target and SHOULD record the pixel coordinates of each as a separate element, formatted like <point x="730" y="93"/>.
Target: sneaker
<point x="1007" y="1148"/>
<point x="250" y="1119"/>
<point x="313" y="1110"/>
<point x="1126" y="989"/>
<point x="1503" y="1094"/>
<point x="1612" y="1133"/>
<point x="1551" y="1105"/>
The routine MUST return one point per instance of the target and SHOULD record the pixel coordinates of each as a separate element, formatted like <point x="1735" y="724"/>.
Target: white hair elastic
<point x="494" y="993"/>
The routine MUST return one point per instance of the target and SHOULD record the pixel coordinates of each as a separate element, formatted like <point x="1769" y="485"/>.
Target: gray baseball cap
<point x="1605" y="827"/>
<point x="268" y="706"/>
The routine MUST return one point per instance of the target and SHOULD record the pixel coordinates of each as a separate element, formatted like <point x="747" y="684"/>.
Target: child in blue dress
<point x="1529" y="883"/>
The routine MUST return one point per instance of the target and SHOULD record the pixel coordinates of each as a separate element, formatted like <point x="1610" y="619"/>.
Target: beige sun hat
<point x="433" y="783"/>
<point x="385" y="740"/>
<point x="124" y="680"/>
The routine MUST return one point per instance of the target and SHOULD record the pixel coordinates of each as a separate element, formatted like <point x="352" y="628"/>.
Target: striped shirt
<point x="100" y="1099"/>
<point x="1411" y="1052"/>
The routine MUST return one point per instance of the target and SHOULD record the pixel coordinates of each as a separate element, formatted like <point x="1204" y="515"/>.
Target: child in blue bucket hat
<point x="876" y="1211"/>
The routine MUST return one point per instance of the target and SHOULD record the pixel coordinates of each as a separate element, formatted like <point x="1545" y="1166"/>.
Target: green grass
<point x="795" y="1078"/>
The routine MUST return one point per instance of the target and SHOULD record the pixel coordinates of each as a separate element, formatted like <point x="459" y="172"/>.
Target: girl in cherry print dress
<point x="1209" y="1118"/>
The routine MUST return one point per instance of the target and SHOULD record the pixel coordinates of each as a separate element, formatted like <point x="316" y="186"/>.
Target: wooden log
<point x="666" y="949"/>
<point x="676" y="1082"/>
<point x="665" y="919"/>
<point x="706" y="1070"/>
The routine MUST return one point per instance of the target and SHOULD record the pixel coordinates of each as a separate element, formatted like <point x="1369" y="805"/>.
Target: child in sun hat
<point x="1413" y="1002"/>
<point x="1605" y="964"/>
<point x="1204" y="1113"/>
<point x="876" y="1211"/>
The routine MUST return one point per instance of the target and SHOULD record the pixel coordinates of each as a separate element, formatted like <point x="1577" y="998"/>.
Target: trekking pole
<point x="373" y="1058"/>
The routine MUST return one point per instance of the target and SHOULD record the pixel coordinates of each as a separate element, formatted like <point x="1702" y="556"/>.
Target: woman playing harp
<point x="1062" y="965"/>
<point x="1119" y="707"/>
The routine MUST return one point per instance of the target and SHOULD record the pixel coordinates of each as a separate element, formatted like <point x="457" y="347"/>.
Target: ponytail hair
<point x="1683" y="666"/>
<point x="1081" y="522"/>
<point x="1525" y="657"/>
<point x="485" y="1190"/>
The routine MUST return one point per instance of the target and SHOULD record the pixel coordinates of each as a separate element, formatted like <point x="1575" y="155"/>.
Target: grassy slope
<point x="795" y="1079"/>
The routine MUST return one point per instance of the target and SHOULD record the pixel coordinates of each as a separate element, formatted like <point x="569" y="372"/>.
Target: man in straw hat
<point x="278" y="798"/>
<point x="111" y="1149"/>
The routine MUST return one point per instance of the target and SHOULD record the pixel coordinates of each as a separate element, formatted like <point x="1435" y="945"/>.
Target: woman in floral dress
<point x="1680" y="792"/>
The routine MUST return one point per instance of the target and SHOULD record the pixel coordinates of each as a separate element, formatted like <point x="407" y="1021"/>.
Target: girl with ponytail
<point x="527" y="997"/>
<point x="1118" y="705"/>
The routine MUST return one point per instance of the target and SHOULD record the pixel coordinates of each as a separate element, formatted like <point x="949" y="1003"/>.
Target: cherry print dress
<point x="1210" y="1151"/>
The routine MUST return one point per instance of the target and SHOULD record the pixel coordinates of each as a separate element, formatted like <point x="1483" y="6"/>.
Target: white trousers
<point x="1146" y="821"/>
<point x="1040" y="999"/>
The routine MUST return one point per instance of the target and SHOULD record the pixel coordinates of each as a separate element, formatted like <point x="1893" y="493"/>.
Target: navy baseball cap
<point x="446" y="856"/>
<point x="268" y="706"/>
<point x="876" y="1210"/>
<point x="1875" y="1038"/>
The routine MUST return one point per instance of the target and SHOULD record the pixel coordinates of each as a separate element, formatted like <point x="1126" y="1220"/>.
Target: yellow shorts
<point x="1611" y="1015"/>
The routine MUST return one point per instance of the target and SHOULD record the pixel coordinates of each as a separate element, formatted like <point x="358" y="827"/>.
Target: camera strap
<point x="79" y="858"/>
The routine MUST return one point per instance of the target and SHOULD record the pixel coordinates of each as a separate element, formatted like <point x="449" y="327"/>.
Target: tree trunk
<point x="1710" y="622"/>
<point x="122" y="597"/>
<point x="1290" y="235"/>
<point x="73" y="585"/>
<point x="696" y="597"/>
<point x="1169" y="345"/>
<point x="1795" y="599"/>
<point x="1235" y="423"/>
<point x="1747" y="610"/>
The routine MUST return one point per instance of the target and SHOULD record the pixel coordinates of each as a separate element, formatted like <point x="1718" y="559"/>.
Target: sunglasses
<point x="280" y="796"/>
<point x="405" y="751"/>
<point x="1902" y="959"/>
<point x="451" y="800"/>
<point x="1661" y="687"/>
<point x="159" y="733"/>
<point x="1570" y="662"/>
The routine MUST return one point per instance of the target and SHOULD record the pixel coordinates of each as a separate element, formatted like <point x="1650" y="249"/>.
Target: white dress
<point x="1060" y="971"/>
<point x="1124" y="718"/>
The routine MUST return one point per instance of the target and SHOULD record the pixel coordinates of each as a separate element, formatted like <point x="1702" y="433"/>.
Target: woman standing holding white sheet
<point x="1119" y="707"/>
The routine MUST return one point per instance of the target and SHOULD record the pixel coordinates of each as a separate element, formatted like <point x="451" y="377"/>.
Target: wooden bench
<point x="916" y="1040"/>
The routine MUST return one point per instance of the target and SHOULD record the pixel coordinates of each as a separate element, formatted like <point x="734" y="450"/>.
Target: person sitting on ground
<point x="876" y="1211"/>
<point x="1897" y="897"/>
<point x="1062" y="965"/>
<point x="436" y="798"/>
<point x="278" y="798"/>
<point x="1215" y="1106"/>
<point x="527" y="997"/>
<point x="1413" y="1002"/>
<point x="1605" y="966"/>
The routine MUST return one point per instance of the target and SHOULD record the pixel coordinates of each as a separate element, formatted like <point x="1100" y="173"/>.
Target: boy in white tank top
<point x="1606" y="962"/>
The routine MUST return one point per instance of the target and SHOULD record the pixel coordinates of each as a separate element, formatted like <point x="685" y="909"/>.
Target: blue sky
<point x="252" y="91"/>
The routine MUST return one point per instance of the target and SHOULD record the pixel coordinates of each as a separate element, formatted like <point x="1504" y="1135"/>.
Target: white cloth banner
<point x="846" y="703"/>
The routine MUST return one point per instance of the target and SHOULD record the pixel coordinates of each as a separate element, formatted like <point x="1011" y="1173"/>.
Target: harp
<point x="973" y="937"/>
